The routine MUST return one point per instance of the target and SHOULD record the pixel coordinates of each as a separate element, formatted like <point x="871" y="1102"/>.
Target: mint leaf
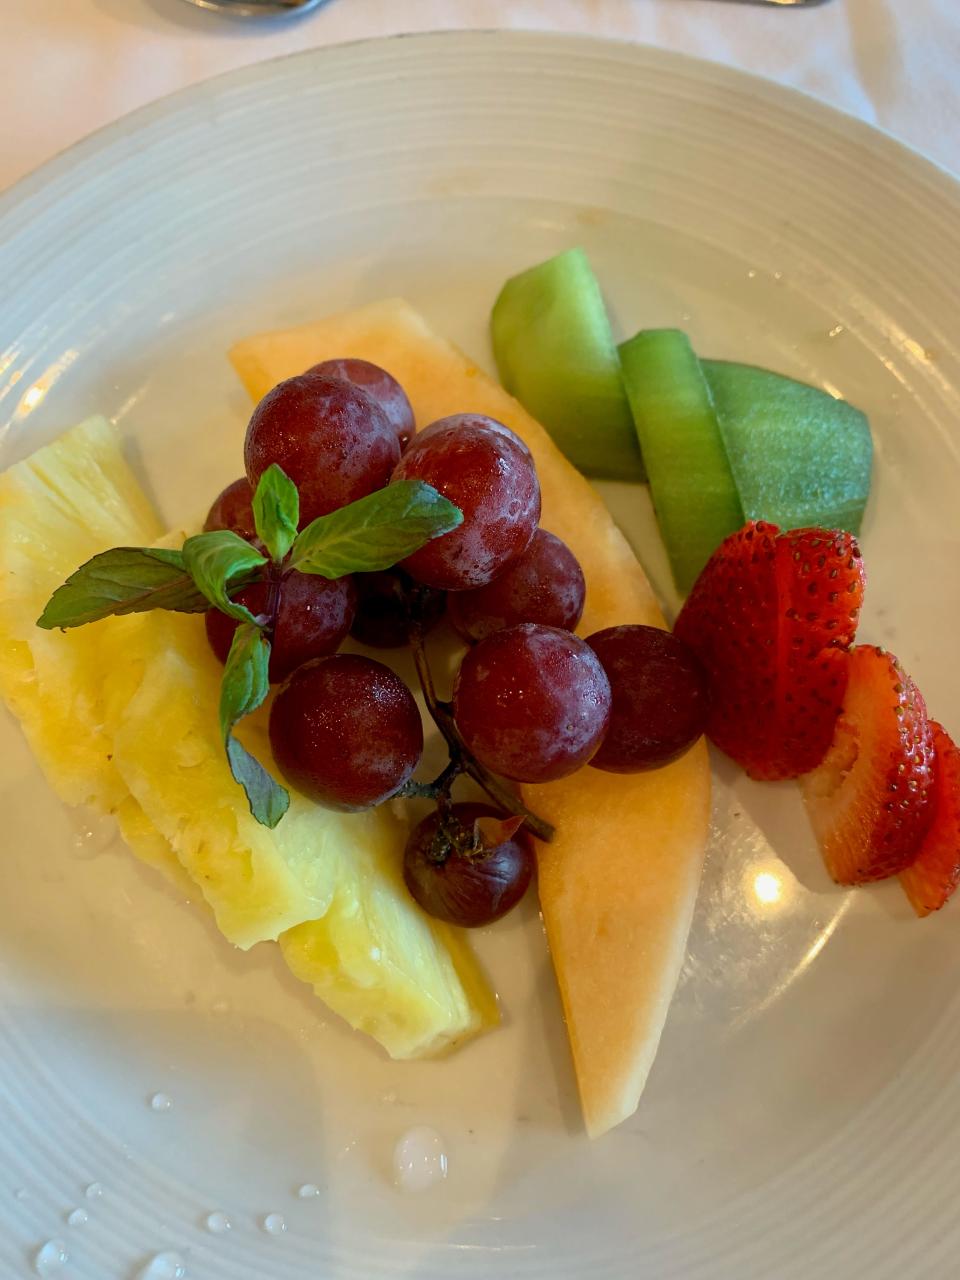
<point x="276" y="511"/>
<point x="220" y="560"/>
<point x="268" y="800"/>
<point x="246" y="684"/>
<point x="374" y="532"/>
<point x="123" y="580"/>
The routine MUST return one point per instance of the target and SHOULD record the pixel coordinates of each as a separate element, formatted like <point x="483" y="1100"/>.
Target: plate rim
<point x="192" y="99"/>
<point x="862" y="133"/>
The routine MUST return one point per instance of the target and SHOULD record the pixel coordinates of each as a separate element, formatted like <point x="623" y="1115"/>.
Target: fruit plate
<point x="803" y="1113"/>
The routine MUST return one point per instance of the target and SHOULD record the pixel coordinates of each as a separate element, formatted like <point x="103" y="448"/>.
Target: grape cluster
<point x="532" y="701"/>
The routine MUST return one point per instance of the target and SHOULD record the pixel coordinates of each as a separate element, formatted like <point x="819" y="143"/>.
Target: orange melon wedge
<point x="619" y="881"/>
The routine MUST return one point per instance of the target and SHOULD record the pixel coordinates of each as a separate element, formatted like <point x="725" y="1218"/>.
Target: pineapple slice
<point x="618" y="884"/>
<point x="145" y="842"/>
<point x="363" y="948"/>
<point x="168" y="751"/>
<point x="57" y="508"/>
<point x="123" y="715"/>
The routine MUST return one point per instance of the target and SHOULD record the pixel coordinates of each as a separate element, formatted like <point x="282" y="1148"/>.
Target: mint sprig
<point x="375" y="532"/>
<point x="120" y="581"/>
<point x="370" y="534"/>
<point x="245" y="685"/>
<point x="218" y="561"/>
<point x="276" y="512"/>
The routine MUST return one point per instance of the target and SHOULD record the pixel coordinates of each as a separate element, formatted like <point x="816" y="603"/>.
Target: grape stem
<point x="461" y="759"/>
<point x="438" y="789"/>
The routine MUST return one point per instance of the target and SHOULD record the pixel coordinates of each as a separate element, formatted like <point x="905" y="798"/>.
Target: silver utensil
<point x="259" y="8"/>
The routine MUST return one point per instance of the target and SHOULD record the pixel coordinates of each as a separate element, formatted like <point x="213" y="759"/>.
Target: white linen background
<point x="69" y="66"/>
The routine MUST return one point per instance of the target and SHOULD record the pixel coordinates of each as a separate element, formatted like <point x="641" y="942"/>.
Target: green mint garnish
<point x="276" y="512"/>
<point x="374" y="532"/>
<point x="368" y="535"/>
<point x="245" y="685"/>
<point x="220" y="560"/>
<point x="123" y="580"/>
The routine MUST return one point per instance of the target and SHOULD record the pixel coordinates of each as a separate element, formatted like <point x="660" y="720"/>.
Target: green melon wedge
<point x="693" y="488"/>
<point x="555" y="352"/>
<point x="799" y="456"/>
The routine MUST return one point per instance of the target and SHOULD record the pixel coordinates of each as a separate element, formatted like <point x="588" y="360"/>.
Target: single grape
<point x="463" y="880"/>
<point x="382" y="618"/>
<point x="307" y="617"/>
<point x="532" y="703"/>
<point x="382" y="386"/>
<point x="334" y="442"/>
<point x="233" y="509"/>
<point x="545" y="584"/>
<point x="487" y="471"/>
<point x="346" y="732"/>
<point x="660" y="698"/>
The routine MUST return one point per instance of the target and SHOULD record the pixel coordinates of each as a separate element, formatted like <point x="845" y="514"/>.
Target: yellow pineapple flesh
<point x="122" y="714"/>
<point x="68" y="501"/>
<point x="618" y="884"/>
<point x="363" y="946"/>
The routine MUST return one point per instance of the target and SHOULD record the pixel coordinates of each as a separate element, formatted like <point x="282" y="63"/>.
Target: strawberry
<point x="820" y="583"/>
<point x="935" y="872"/>
<point x="729" y="620"/>
<point x="771" y="617"/>
<point x="870" y="799"/>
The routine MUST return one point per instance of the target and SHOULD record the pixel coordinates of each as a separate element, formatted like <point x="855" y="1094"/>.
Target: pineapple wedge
<point x="619" y="882"/>
<point x="122" y="715"/>
<point x="364" y="946"/>
<point x="57" y="508"/>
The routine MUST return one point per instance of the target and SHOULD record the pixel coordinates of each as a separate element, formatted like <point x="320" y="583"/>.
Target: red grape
<point x="308" y="617"/>
<point x="544" y="585"/>
<point x="532" y="703"/>
<point x="660" y="698"/>
<point x="382" y="619"/>
<point x="487" y="471"/>
<point x="382" y="386"/>
<point x="346" y="732"/>
<point x="454" y="880"/>
<point x="233" y="509"/>
<point x="334" y="442"/>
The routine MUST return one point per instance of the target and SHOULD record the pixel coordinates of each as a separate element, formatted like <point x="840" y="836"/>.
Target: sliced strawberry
<point x="771" y="618"/>
<point x="870" y="799"/>
<point x="730" y="622"/>
<point x="935" y="872"/>
<point x="820" y="583"/>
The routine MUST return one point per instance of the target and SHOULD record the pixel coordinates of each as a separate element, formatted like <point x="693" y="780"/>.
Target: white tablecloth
<point x="69" y="66"/>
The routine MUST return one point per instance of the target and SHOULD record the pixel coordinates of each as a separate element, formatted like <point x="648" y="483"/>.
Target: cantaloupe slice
<point x="618" y="883"/>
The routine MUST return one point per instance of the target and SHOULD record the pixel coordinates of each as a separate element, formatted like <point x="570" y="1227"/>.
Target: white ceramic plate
<point x="802" y="1117"/>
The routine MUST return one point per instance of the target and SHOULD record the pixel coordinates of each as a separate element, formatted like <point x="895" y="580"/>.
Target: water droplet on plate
<point x="93" y="834"/>
<point x="93" y="1191"/>
<point x="217" y="1223"/>
<point x="419" y="1159"/>
<point x="836" y="331"/>
<point x="163" y="1266"/>
<point x="308" y="1191"/>
<point x="161" y="1102"/>
<point x="273" y="1224"/>
<point x="751" y="274"/>
<point x="778" y="276"/>
<point x="50" y="1257"/>
<point x="77" y="1217"/>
